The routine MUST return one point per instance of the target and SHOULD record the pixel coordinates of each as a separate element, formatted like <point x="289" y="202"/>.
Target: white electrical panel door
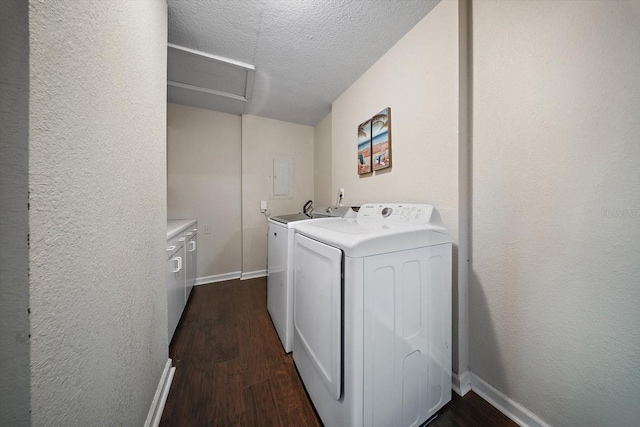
<point x="407" y="335"/>
<point x="317" y="312"/>
<point x="282" y="177"/>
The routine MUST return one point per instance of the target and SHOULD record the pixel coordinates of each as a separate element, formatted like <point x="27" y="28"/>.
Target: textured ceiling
<point x="306" y="52"/>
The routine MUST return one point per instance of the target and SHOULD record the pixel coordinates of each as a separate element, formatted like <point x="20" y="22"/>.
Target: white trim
<point x="230" y="276"/>
<point x="224" y="60"/>
<point x="206" y="90"/>
<point x="518" y="413"/>
<point x="465" y="90"/>
<point x="253" y="274"/>
<point x="248" y="89"/>
<point x="160" y="398"/>
<point x="218" y="278"/>
<point x="461" y="383"/>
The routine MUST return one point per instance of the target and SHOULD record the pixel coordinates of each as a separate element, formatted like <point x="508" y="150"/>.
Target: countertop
<point x="176" y="226"/>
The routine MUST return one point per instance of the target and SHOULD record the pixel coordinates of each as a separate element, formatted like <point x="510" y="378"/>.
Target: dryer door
<point x="318" y="312"/>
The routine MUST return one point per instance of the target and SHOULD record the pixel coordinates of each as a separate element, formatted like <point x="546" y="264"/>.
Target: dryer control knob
<point x="386" y="212"/>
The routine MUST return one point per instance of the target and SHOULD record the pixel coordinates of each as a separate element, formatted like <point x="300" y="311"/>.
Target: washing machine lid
<point x="286" y="219"/>
<point x="323" y="212"/>
<point x="379" y="229"/>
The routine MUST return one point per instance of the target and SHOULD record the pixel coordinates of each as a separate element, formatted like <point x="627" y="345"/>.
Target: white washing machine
<point x="372" y="315"/>
<point x="279" y="266"/>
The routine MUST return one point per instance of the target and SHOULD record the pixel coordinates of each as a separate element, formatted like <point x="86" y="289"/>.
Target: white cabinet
<point x="180" y="273"/>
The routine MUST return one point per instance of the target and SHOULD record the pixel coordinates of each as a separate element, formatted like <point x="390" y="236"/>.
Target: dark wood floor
<point x="231" y="369"/>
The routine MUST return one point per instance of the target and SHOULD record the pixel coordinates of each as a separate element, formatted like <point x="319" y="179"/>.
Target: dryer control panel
<point x="413" y="213"/>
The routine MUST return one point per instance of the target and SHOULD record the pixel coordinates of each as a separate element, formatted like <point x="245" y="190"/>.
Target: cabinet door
<point x="175" y="277"/>
<point x="192" y="259"/>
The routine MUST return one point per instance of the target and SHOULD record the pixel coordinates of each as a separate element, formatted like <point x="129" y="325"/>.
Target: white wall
<point x="14" y="216"/>
<point x="554" y="293"/>
<point x="204" y="182"/>
<point x="322" y="163"/>
<point x="418" y="79"/>
<point x="97" y="181"/>
<point x="262" y="141"/>
<point x="220" y="167"/>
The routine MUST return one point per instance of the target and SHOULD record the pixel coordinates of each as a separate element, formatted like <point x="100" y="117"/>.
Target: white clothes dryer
<point x="372" y="315"/>
<point x="280" y="263"/>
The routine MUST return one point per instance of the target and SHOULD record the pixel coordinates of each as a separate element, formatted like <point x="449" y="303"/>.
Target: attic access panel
<point x="203" y="72"/>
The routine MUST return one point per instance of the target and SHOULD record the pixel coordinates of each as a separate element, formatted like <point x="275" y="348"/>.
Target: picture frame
<point x="364" y="148"/>
<point x="381" y="140"/>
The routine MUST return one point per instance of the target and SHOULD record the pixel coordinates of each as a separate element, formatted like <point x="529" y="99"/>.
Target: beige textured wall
<point x="418" y="79"/>
<point x="554" y="292"/>
<point x="204" y="183"/>
<point x="14" y="214"/>
<point x="322" y="163"/>
<point x="97" y="218"/>
<point x="262" y="141"/>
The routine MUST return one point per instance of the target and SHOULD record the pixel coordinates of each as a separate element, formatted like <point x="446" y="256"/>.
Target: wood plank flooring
<point x="231" y="369"/>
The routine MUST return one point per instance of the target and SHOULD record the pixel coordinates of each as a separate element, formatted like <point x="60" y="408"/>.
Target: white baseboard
<point x="218" y="278"/>
<point x="160" y="398"/>
<point x="230" y="276"/>
<point x="253" y="274"/>
<point x="518" y="413"/>
<point x="461" y="383"/>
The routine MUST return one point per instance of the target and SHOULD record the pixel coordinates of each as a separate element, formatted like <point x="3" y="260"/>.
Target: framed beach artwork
<point x="381" y="139"/>
<point x="364" y="147"/>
